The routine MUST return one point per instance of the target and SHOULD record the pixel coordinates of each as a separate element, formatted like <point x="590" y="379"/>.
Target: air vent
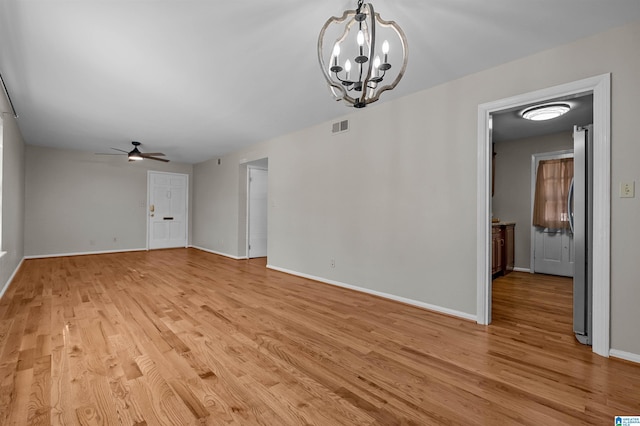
<point x="340" y="127"/>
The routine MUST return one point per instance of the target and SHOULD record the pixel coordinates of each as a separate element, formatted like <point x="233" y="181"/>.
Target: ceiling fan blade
<point x="153" y="154"/>
<point x="106" y="153"/>
<point x="120" y="150"/>
<point x="155" y="158"/>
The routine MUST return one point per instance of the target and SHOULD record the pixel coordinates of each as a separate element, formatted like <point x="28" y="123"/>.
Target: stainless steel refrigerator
<point x="581" y="222"/>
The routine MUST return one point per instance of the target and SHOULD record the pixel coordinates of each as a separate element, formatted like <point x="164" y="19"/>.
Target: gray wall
<point x="215" y="206"/>
<point x="393" y="200"/>
<point x="77" y="202"/>
<point x="512" y="196"/>
<point x="13" y="190"/>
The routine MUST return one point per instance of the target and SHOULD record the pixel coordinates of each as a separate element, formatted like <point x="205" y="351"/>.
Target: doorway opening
<point x="599" y="86"/>
<point x="257" y="208"/>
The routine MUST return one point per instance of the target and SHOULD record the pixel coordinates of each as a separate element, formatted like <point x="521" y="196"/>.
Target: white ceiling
<point x="198" y="79"/>
<point x="508" y="125"/>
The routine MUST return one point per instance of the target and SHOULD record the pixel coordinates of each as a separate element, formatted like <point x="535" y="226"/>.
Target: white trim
<point x="219" y="253"/>
<point x="412" y="302"/>
<point x="602" y="215"/>
<point x="601" y="88"/>
<point x="247" y="213"/>
<point x="13" y="275"/>
<point x="84" y="253"/>
<point x="146" y="210"/>
<point x="483" y="217"/>
<point x="535" y="159"/>
<point x="527" y="270"/>
<point x="628" y="356"/>
<point x="1" y="172"/>
<point x="2" y="253"/>
<point x="186" y="202"/>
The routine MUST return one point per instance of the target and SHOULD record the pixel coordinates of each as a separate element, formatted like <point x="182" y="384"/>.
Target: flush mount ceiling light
<point x="357" y="68"/>
<point x="545" y="112"/>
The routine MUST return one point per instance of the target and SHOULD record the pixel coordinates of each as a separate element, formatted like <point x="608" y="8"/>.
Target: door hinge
<point x="249" y="246"/>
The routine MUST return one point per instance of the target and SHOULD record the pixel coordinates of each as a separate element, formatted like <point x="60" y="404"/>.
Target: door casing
<point x="600" y="86"/>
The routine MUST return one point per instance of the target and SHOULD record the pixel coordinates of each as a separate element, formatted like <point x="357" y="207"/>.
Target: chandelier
<point x="357" y="69"/>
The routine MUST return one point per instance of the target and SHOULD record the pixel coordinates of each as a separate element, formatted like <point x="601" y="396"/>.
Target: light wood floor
<point x="182" y="337"/>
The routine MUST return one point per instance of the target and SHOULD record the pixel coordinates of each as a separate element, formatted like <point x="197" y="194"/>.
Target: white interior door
<point x="257" y="213"/>
<point x="168" y="210"/>
<point x="552" y="250"/>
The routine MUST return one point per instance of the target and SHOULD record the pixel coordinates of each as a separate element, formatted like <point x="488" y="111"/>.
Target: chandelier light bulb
<point x="385" y="47"/>
<point x="347" y="68"/>
<point x="385" y="50"/>
<point x="376" y="66"/>
<point x="360" y="38"/>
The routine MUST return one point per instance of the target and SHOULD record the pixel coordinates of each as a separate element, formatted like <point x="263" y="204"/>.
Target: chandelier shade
<point x="358" y="68"/>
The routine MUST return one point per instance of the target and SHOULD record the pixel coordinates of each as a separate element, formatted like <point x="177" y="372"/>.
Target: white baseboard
<point x="45" y="256"/>
<point x="417" y="303"/>
<point x="527" y="270"/>
<point x="625" y="355"/>
<point x="219" y="253"/>
<point x="13" y="275"/>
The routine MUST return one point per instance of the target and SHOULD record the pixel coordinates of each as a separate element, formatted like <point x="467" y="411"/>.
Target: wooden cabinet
<point x="509" y="249"/>
<point x="502" y="248"/>
<point x="497" y="243"/>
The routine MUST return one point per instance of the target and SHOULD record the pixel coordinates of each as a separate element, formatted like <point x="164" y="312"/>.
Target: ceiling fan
<point x="136" y="155"/>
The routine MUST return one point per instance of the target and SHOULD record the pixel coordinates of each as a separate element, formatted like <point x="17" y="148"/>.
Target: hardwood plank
<point x="39" y="408"/>
<point x="182" y="337"/>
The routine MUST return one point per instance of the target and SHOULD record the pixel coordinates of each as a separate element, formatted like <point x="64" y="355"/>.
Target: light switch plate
<point x="627" y="189"/>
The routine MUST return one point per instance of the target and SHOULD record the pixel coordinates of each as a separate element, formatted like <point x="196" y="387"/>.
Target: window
<point x="553" y="178"/>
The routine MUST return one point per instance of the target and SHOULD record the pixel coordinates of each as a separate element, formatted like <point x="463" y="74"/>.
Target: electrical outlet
<point x="627" y="189"/>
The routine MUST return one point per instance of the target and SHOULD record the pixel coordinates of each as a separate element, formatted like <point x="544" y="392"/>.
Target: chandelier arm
<point x="403" y="38"/>
<point x="343" y="81"/>
<point x="333" y="85"/>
